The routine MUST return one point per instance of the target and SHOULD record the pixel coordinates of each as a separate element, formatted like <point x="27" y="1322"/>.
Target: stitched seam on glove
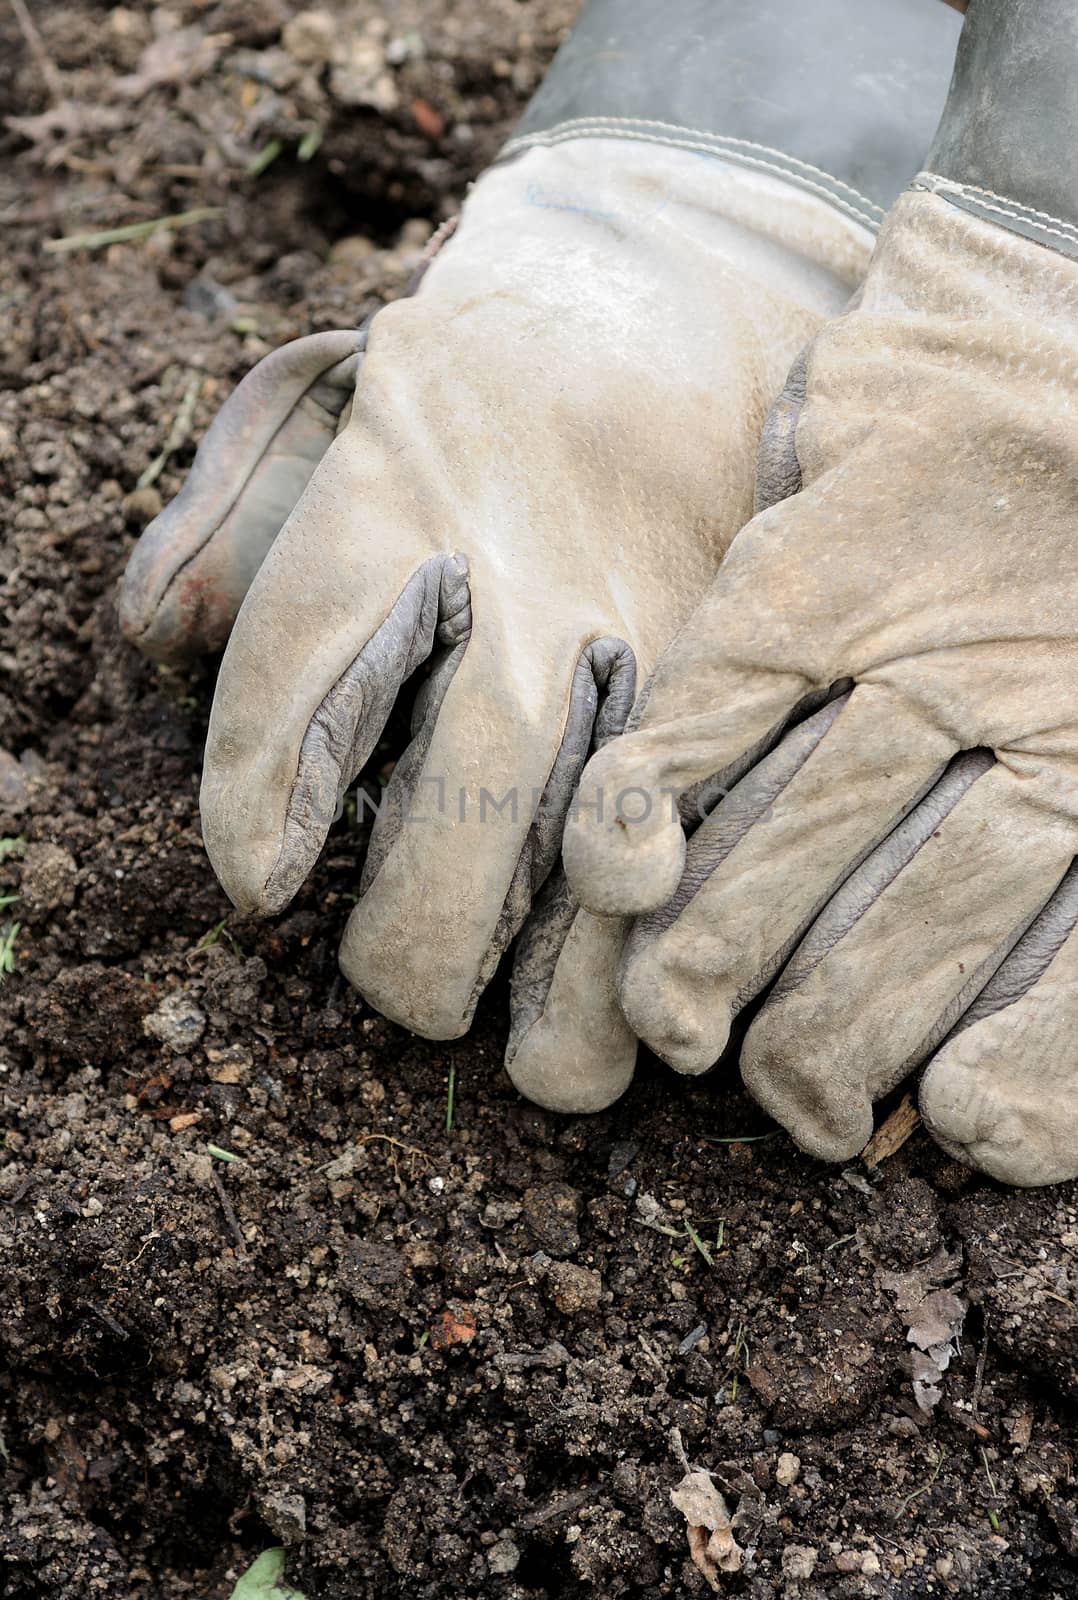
<point x="784" y="166"/>
<point x="980" y="201"/>
<point x="651" y="125"/>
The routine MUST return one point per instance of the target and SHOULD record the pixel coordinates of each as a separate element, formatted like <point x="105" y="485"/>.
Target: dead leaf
<point x="910" y="1288"/>
<point x="1019" y="1429"/>
<point x="712" y="1545"/>
<point x="155" y="1087"/>
<point x="232" y="1072"/>
<point x="935" y="1326"/>
<point x="937" y="1320"/>
<point x="934" y="1316"/>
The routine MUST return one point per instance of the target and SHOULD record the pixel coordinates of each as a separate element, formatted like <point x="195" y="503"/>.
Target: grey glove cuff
<point x="1005" y="147"/>
<point x="840" y="99"/>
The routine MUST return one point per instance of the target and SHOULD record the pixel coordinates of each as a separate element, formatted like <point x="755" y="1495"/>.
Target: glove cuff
<point x="1005" y="147"/>
<point x="840" y="100"/>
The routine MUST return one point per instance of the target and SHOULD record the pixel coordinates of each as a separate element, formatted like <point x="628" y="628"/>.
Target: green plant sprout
<point x="7" y="949"/>
<point x="265" y="1580"/>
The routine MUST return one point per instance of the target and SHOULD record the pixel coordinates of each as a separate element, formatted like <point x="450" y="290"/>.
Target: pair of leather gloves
<point x="851" y="764"/>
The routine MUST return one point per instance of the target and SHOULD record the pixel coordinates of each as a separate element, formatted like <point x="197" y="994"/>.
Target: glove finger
<point x="268" y="802"/>
<point x="193" y="565"/>
<point x="902" y="949"/>
<point x="766" y="862"/>
<point x="351" y="599"/>
<point x="570" y="1048"/>
<point x="472" y="823"/>
<point x="1000" y="1095"/>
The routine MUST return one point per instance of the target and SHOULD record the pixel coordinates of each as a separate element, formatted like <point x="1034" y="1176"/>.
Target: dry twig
<point x="230" y="1215"/>
<point x="36" y="46"/>
<point x="892" y="1134"/>
<point x="127" y="235"/>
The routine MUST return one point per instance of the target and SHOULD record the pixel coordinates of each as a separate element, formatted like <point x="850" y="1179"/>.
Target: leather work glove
<point x="881" y="688"/>
<point x="516" y="484"/>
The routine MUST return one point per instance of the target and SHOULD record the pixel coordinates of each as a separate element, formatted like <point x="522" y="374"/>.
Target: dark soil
<point x="432" y="1364"/>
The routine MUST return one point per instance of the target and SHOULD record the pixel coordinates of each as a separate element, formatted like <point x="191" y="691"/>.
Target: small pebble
<point x="48" y="879"/>
<point x="209" y="299"/>
<point x="799" y="1561"/>
<point x="13" y="784"/>
<point x="142" y="505"/>
<point x="310" y="37"/>
<point x="788" y="1470"/>
<point x="573" y="1288"/>
<point x="286" y="1514"/>
<point x="622" y="1152"/>
<point x="352" y="250"/>
<point x="503" y="1557"/>
<point x="359" y="77"/>
<point x="177" y="1022"/>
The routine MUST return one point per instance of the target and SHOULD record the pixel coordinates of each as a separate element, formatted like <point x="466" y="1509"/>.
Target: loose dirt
<point x="430" y="1363"/>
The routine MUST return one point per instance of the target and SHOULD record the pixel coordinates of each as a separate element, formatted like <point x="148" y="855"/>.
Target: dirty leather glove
<point x="902" y="858"/>
<point x="518" y="480"/>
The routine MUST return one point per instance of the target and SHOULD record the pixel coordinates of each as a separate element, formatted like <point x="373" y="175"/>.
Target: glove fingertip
<point x="623" y="869"/>
<point x="170" y="610"/>
<point x="547" y="1070"/>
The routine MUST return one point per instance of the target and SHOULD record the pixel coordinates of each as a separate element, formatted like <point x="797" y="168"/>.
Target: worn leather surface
<point x="928" y="569"/>
<point x="1000" y="1092"/>
<point x="547" y="452"/>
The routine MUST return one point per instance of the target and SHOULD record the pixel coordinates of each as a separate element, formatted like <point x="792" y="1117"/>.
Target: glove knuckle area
<point x="768" y="852"/>
<point x="715" y="697"/>
<point x="904" y="947"/>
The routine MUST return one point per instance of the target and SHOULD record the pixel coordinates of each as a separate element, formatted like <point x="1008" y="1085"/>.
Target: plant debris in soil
<point x="263" y="1282"/>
